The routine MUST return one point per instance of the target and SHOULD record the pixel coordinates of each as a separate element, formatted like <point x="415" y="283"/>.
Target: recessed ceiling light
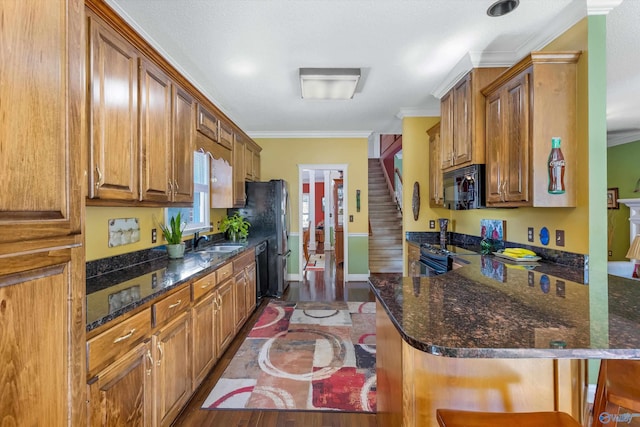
<point x="502" y="7"/>
<point x="329" y="83"/>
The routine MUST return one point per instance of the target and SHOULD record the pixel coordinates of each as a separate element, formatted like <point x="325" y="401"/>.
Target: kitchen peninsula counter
<point x="495" y="335"/>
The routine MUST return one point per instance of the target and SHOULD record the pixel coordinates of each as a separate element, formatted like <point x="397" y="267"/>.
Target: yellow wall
<point x="280" y="158"/>
<point x="573" y="220"/>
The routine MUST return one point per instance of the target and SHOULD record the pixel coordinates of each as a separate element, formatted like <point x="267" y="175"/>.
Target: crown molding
<point x="622" y="137"/>
<point x="601" y="7"/>
<point x="310" y="134"/>
<point x="417" y="112"/>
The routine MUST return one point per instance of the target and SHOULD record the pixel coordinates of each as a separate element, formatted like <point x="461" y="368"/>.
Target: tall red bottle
<point x="556" y="168"/>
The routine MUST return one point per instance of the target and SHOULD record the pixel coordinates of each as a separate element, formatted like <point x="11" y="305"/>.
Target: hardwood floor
<point x="327" y="285"/>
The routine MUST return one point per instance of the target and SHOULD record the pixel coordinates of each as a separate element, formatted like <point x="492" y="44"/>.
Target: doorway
<point x="316" y="178"/>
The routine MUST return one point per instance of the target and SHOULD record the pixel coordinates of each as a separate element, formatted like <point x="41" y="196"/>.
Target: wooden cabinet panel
<point x="38" y="128"/>
<point x="250" y="287"/>
<point x="225" y="272"/>
<point x="526" y="106"/>
<point x="225" y="325"/>
<point x="436" y="196"/>
<point x="169" y="306"/>
<point x="207" y="123"/>
<point x="203" y="286"/>
<point x="222" y="184"/>
<point x="225" y="135"/>
<point x="239" y="196"/>
<point x="240" y="298"/>
<point x="462" y="129"/>
<point x="155" y="132"/>
<point x="122" y="394"/>
<point x="117" y="340"/>
<point x="248" y="163"/>
<point x="173" y="368"/>
<point x="113" y="122"/>
<point x="182" y="164"/>
<point x="256" y="166"/>
<point x="203" y="338"/>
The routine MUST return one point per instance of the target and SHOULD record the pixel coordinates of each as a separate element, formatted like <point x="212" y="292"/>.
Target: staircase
<point x="385" y="240"/>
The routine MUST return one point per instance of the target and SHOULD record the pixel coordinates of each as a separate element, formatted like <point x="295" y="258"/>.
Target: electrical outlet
<point x="610" y="253"/>
<point x="154" y="235"/>
<point x="432" y="224"/>
<point x="559" y="237"/>
<point x="530" y="234"/>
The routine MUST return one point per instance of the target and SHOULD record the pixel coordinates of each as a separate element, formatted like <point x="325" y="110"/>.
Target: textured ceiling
<point x="245" y="54"/>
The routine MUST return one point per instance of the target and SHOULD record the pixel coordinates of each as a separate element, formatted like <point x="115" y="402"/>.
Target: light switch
<point x="559" y="237"/>
<point x="350" y="218"/>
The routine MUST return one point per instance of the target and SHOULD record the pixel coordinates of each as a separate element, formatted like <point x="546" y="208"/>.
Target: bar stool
<point x="618" y="386"/>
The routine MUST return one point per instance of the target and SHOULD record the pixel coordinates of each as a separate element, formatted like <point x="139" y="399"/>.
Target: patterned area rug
<point x="316" y="262"/>
<point x="312" y="356"/>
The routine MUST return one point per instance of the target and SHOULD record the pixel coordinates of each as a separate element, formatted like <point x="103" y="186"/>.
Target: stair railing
<point x="398" y="193"/>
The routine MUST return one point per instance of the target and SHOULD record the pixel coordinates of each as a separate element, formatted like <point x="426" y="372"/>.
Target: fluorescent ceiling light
<point x="329" y="83"/>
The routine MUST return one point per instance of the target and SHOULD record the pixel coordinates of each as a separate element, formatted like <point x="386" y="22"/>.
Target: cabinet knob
<point x="100" y="177"/>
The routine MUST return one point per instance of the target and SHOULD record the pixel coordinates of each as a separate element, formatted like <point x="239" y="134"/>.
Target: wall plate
<point x="544" y="236"/>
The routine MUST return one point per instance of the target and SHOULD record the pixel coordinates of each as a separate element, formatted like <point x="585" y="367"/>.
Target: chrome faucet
<point x="197" y="238"/>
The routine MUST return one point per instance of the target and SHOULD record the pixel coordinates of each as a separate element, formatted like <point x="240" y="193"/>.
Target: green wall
<point x="622" y="173"/>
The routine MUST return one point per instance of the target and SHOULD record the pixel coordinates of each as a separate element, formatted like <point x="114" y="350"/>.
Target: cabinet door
<point x="239" y="198"/>
<point x="462" y="144"/>
<point x="516" y="139"/>
<point x="173" y="368"/>
<point x="256" y="166"/>
<point x="182" y="162"/>
<point x="250" y="288"/>
<point x="121" y="395"/>
<point x="39" y="129"/>
<point x="113" y="121"/>
<point x="155" y="132"/>
<point x="225" y="325"/>
<point x="248" y="163"/>
<point x="435" y="172"/>
<point x="203" y="338"/>
<point x="240" y="296"/>
<point x="494" y="149"/>
<point x="446" y="130"/>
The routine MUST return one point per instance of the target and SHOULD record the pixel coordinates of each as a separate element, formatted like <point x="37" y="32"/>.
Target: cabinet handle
<point x="100" y="177"/>
<point x="170" y="187"/>
<point x="175" y="184"/>
<point x="150" y="362"/>
<point x="174" y="305"/>
<point x="219" y="302"/>
<point x="161" y="354"/>
<point x="124" y="337"/>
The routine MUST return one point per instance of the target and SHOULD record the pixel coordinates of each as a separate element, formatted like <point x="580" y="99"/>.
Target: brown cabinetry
<point x="203" y="337"/>
<point x="435" y="172"/>
<point x="122" y="393"/>
<point x="462" y="123"/>
<point x="182" y="149"/>
<point x="239" y="196"/>
<point x="42" y="294"/>
<point x="113" y="115"/>
<point x="172" y="354"/>
<point x="224" y="316"/>
<point x="526" y="106"/>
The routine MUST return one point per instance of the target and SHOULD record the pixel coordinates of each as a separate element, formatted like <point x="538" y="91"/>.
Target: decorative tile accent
<point x="494" y="229"/>
<point x="123" y="231"/>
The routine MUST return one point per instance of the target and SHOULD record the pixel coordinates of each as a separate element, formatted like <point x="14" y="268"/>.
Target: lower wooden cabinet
<point x="122" y="393"/>
<point x="240" y="291"/>
<point x="225" y="317"/>
<point x="203" y="338"/>
<point x="173" y="371"/>
<point x="250" y="288"/>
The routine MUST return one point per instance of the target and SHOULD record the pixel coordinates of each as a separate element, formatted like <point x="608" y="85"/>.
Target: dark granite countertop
<point x="491" y="308"/>
<point x="113" y="294"/>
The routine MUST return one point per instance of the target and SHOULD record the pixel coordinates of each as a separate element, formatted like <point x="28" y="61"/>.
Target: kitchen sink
<point x="220" y="248"/>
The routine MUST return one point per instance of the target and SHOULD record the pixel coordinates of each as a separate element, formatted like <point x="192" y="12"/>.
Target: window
<point x="196" y="216"/>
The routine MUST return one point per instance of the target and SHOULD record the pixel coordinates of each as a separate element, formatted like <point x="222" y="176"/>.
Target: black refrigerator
<point x="267" y="210"/>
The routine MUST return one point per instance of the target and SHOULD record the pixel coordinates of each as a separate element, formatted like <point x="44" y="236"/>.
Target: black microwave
<point x="464" y="188"/>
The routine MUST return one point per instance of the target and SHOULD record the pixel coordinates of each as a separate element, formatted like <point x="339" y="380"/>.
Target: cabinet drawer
<point x="173" y="304"/>
<point x="241" y="261"/>
<point x="118" y="340"/>
<point x="204" y="285"/>
<point x="224" y="272"/>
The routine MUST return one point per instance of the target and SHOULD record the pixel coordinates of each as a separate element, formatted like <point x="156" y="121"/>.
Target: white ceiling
<point x="245" y="55"/>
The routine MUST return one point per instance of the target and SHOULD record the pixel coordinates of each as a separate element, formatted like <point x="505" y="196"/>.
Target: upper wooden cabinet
<point x="182" y="154"/>
<point x="251" y="163"/>
<point x="526" y="106"/>
<point x="113" y="115"/>
<point x="435" y="172"/>
<point x="155" y="132"/>
<point x="225" y="135"/>
<point x="462" y="123"/>
<point x="207" y="124"/>
<point x="239" y="196"/>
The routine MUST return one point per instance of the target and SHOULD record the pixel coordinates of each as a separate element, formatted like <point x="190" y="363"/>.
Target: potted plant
<point x="173" y="235"/>
<point x="235" y="226"/>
